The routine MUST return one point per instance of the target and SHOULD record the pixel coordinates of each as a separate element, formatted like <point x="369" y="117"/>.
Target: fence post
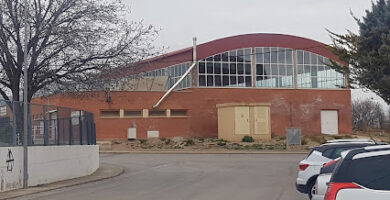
<point x="30" y="125"/>
<point x="80" y="129"/>
<point x="88" y="127"/>
<point x="94" y="133"/>
<point x="70" y="131"/>
<point x="45" y="128"/>
<point x="13" y="124"/>
<point x="58" y="126"/>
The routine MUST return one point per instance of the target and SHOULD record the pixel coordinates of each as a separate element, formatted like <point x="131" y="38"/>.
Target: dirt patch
<point x="277" y="143"/>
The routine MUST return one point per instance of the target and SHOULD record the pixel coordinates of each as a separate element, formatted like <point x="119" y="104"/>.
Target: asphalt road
<point x="191" y="177"/>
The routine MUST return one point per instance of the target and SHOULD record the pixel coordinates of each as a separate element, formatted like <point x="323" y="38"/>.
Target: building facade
<point x="288" y="73"/>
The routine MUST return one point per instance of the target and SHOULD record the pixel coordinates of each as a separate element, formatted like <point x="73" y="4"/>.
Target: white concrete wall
<point x="11" y="173"/>
<point x="48" y="164"/>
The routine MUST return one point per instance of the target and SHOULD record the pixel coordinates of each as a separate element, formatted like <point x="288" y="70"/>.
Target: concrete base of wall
<point x="46" y="164"/>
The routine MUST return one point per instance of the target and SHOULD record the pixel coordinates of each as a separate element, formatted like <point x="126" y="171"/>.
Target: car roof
<point x="350" y="140"/>
<point x="376" y="150"/>
<point x="327" y="146"/>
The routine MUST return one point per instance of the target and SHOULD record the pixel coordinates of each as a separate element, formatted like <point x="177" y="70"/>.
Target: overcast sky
<point x="180" y="20"/>
<point x="208" y="20"/>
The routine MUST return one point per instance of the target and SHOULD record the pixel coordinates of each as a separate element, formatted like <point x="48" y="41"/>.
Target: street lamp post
<point x="25" y="96"/>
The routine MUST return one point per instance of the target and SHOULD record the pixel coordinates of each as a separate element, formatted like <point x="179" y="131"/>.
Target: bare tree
<point x="367" y="115"/>
<point x="71" y="42"/>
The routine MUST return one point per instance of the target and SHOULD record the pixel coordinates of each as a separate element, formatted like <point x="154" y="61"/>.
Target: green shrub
<point x="247" y="139"/>
<point x="257" y="146"/>
<point x="167" y="141"/>
<point x="189" y="142"/>
<point x="304" y="141"/>
<point x="337" y="137"/>
<point x="142" y="141"/>
<point x="221" y="142"/>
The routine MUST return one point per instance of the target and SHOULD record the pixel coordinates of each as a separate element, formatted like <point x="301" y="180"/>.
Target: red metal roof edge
<point x="213" y="47"/>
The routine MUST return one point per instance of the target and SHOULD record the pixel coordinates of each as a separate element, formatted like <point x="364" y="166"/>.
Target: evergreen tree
<point x="368" y="52"/>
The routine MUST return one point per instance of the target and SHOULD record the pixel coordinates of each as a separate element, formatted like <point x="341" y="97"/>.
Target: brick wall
<point x="289" y="108"/>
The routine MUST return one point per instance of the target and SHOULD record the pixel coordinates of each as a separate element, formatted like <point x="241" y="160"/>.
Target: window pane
<point x="300" y="69"/>
<point x="281" y="55"/>
<point x="259" y="69"/>
<point x="307" y="69"/>
<point x="217" y="57"/>
<point x="240" y="68"/>
<point x="267" y="69"/>
<point x="225" y="56"/>
<point x="313" y="59"/>
<point x="248" y="69"/>
<point x="233" y="80"/>
<point x="313" y="70"/>
<point x="233" y="69"/>
<point x="248" y="55"/>
<point x="259" y="55"/>
<point x="217" y="80"/>
<point x="267" y="55"/>
<point x="233" y="56"/>
<point x="282" y="70"/>
<point x="299" y="57"/>
<point x="241" y="81"/>
<point x="290" y="70"/>
<point x="274" y="69"/>
<point x="217" y="68"/>
<point x="202" y="80"/>
<point x="314" y="82"/>
<point x="210" y="68"/>
<point x="289" y="59"/>
<point x="240" y="55"/>
<point x="307" y="57"/>
<point x="210" y="81"/>
<point x="225" y="68"/>
<point x="274" y="55"/>
<point x="248" y="81"/>
<point x="225" y="80"/>
<point x="210" y="58"/>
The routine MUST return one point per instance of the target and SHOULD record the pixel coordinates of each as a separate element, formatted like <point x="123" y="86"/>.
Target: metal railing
<point x="47" y="125"/>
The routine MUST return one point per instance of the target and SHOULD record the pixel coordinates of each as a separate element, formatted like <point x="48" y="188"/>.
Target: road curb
<point x="202" y="152"/>
<point x="105" y="171"/>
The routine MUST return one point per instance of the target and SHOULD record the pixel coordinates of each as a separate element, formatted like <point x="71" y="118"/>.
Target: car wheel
<point x="311" y="189"/>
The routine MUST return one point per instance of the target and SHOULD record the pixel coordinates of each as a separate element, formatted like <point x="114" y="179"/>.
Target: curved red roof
<point x="237" y="42"/>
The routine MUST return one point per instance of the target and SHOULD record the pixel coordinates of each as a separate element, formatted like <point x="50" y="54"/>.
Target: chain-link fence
<point x="47" y="125"/>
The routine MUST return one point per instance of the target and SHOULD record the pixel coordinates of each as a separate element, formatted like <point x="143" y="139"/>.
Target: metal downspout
<point x="181" y="78"/>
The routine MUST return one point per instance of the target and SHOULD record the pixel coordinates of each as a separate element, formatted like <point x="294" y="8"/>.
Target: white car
<point x="321" y="186"/>
<point x="309" y="168"/>
<point x="362" y="174"/>
<point x="323" y="179"/>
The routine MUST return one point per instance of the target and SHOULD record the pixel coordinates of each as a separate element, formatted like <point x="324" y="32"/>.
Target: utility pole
<point x="25" y="96"/>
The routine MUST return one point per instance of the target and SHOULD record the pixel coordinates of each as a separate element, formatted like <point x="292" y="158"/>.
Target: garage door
<point x="329" y="122"/>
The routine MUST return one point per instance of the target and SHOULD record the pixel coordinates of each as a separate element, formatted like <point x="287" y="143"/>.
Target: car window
<point x="371" y="172"/>
<point x="327" y="153"/>
<point x="337" y="152"/>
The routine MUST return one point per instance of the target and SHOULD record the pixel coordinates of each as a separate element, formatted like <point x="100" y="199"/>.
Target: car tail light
<point x="331" y="162"/>
<point x="303" y="166"/>
<point x="334" y="188"/>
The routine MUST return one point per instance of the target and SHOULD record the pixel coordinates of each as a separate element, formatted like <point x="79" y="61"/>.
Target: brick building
<point x="287" y="73"/>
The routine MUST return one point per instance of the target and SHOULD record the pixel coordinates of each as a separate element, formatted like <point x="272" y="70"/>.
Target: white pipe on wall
<point x="181" y="78"/>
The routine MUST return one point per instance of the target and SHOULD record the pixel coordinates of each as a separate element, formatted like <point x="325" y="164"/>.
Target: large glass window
<point x="228" y="69"/>
<point x="274" y="67"/>
<point x="313" y="72"/>
<point x="174" y="73"/>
